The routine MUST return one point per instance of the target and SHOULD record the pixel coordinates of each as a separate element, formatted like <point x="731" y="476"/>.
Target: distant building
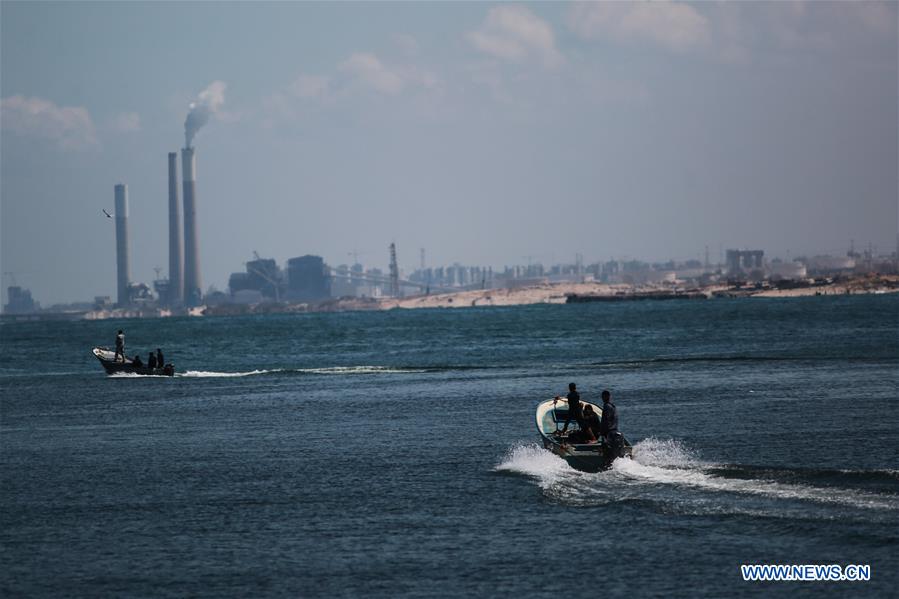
<point x="308" y="279"/>
<point x="741" y="263"/>
<point x="20" y="301"/>
<point x="262" y="276"/>
<point x="341" y="283"/>
<point x="103" y="302"/>
<point x="239" y="281"/>
<point x="786" y="270"/>
<point x="824" y="265"/>
<point x="139" y="294"/>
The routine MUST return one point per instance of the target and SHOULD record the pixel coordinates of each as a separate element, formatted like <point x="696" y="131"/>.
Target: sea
<point x="395" y="453"/>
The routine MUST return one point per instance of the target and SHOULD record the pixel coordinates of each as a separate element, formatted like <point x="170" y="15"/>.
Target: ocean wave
<point x="327" y="370"/>
<point x="134" y="375"/>
<point x="639" y="362"/>
<point x="533" y="460"/>
<point x="700" y="480"/>
<point x="25" y="374"/>
<point x="212" y="374"/>
<point x="665" y="471"/>
<point x="362" y="370"/>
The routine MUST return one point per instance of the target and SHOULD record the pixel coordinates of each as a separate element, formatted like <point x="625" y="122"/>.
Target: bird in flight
<point x="108" y="215"/>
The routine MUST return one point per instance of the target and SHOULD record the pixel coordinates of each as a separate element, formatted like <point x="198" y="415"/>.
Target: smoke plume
<point x="207" y="104"/>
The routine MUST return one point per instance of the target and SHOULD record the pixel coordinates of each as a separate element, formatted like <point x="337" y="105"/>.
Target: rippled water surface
<point x="395" y="453"/>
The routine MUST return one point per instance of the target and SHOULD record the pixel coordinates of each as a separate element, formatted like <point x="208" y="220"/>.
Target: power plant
<point x="176" y="256"/>
<point x="193" y="283"/>
<point x="184" y="285"/>
<point x="123" y="245"/>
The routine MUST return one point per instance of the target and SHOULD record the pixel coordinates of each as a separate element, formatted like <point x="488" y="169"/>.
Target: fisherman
<point x="136" y="362"/>
<point x="160" y="360"/>
<point x="151" y="361"/>
<point x="591" y="423"/>
<point x="574" y="407"/>
<point x="120" y="346"/>
<point x="608" y="426"/>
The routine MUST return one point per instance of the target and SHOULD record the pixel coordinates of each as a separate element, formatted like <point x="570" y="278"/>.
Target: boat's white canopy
<point x="551" y="415"/>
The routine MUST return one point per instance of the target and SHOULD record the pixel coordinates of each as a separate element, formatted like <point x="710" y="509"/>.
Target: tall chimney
<point x="192" y="282"/>
<point x="176" y="247"/>
<point x="122" y="243"/>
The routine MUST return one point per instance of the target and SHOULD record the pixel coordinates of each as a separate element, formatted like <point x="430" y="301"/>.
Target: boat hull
<point x="586" y="457"/>
<point x="107" y="359"/>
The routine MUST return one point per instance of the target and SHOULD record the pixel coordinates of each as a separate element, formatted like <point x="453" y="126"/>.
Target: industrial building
<point x="175" y="288"/>
<point x="263" y="276"/>
<point x="193" y="282"/>
<point x="20" y="301"/>
<point x="123" y="245"/>
<point x="741" y="263"/>
<point x="308" y="279"/>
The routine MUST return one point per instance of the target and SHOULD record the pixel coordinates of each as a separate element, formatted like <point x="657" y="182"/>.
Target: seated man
<point x="151" y="361"/>
<point x="136" y="362"/>
<point x="589" y="427"/>
<point x="591" y="422"/>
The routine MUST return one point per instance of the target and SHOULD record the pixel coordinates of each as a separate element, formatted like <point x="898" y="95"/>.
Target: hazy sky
<point x="485" y="133"/>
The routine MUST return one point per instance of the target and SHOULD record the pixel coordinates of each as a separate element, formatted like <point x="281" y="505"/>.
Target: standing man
<point x="574" y="407"/>
<point x="608" y="426"/>
<point x="120" y="346"/>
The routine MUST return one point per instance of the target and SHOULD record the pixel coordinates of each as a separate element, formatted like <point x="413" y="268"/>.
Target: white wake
<point x="212" y="374"/>
<point x="664" y="466"/>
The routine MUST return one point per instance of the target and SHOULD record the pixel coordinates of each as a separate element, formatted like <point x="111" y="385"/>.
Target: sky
<point x="487" y="134"/>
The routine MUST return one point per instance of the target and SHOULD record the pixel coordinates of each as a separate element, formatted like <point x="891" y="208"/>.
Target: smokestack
<point x="123" y="246"/>
<point x="192" y="281"/>
<point x="176" y="255"/>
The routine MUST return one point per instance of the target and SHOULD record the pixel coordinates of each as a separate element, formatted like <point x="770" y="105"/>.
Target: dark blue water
<point x="394" y="453"/>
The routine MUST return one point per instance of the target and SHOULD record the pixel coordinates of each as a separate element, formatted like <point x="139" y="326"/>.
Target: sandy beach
<point x="558" y="293"/>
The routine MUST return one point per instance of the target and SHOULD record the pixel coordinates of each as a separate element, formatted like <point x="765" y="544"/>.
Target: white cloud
<point x="879" y="17"/>
<point x="71" y="127"/>
<point x="370" y="71"/>
<point x="741" y="30"/>
<point x="360" y="73"/>
<point x="407" y="43"/>
<point x="309" y="86"/>
<point x="125" y="122"/>
<point x="669" y="24"/>
<point x="367" y="68"/>
<point x="513" y="32"/>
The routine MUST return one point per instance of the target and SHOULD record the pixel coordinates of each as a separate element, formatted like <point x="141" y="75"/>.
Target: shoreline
<point x="546" y="293"/>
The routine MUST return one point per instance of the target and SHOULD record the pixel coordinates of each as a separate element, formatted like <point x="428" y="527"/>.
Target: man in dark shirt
<point x="151" y="361"/>
<point x="608" y="426"/>
<point x="160" y="359"/>
<point x="574" y="407"/>
<point x="120" y="346"/>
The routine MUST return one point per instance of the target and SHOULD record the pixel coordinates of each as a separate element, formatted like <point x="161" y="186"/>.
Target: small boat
<point x="113" y="366"/>
<point x="586" y="457"/>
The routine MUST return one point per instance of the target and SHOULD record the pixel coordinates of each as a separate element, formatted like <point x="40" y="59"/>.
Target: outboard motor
<point x="616" y="440"/>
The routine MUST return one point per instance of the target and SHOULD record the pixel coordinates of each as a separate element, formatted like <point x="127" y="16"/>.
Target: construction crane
<point x="355" y="254"/>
